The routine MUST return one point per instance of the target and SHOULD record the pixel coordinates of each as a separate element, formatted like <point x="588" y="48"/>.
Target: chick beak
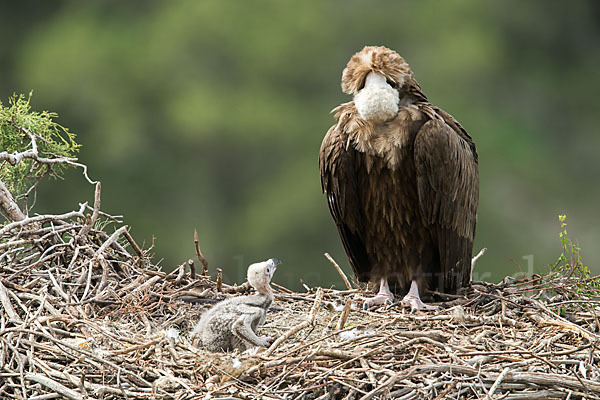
<point x="274" y="262"/>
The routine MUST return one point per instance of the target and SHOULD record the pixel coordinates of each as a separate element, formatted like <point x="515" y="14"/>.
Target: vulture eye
<point x="391" y="82"/>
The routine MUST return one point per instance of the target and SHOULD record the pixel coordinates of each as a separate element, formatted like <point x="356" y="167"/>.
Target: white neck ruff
<point x="377" y="101"/>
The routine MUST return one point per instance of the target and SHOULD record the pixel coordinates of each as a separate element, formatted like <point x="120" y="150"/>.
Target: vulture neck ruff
<point x="377" y="102"/>
<point x="381" y="140"/>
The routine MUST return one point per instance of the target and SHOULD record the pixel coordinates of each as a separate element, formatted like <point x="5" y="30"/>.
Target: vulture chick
<point x="401" y="180"/>
<point x="232" y="323"/>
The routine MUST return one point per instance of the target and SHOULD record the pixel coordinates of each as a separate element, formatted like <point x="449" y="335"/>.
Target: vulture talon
<point x="384" y="297"/>
<point x="413" y="300"/>
<point x="416" y="304"/>
<point x="378" y="300"/>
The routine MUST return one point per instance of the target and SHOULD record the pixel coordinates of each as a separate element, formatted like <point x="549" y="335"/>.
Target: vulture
<point x="401" y="181"/>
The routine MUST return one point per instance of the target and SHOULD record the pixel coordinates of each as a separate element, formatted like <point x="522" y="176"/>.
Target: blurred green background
<point x="210" y="114"/>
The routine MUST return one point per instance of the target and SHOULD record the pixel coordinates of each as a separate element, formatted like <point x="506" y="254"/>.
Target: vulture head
<point x="374" y="77"/>
<point x="260" y="274"/>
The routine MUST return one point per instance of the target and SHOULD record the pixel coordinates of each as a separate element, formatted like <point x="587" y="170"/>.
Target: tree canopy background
<point x="210" y="114"/>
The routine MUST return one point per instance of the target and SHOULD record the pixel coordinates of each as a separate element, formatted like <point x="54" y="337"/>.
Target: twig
<point x="112" y="239"/>
<point x="133" y="244"/>
<point x="339" y="270"/>
<point x="54" y="386"/>
<point x="192" y="268"/>
<point x="6" y="303"/>
<point x="292" y="331"/>
<point x="33" y="154"/>
<point x="282" y="288"/>
<point x="146" y="285"/>
<point x="316" y="305"/>
<point x="200" y="256"/>
<point x="474" y="259"/>
<point x="219" y="284"/>
<point x="496" y="384"/>
<point x="138" y="346"/>
<point x="43" y="218"/>
<point x="344" y="314"/>
<point x="368" y="371"/>
<point x="88" y="226"/>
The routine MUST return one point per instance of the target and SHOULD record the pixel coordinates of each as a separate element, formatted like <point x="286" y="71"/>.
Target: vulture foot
<point x="378" y="300"/>
<point x="384" y="297"/>
<point x="413" y="300"/>
<point x="416" y="304"/>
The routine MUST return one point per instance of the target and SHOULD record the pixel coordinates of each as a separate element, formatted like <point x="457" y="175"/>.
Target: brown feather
<point x="403" y="193"/>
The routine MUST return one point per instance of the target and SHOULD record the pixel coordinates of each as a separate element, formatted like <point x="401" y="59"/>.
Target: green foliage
<point x="570" y="268"/>
<point x="18" y="126"/>
<point x="570" y="261"/>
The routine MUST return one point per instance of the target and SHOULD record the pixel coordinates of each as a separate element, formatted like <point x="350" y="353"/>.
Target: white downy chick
<point x="232" y="323"/>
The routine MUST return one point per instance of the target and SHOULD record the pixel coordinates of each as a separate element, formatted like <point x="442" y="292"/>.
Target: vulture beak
<point x="274" y="262"/>
<point x="375" y="79"/>
<point x="378" y="100"/>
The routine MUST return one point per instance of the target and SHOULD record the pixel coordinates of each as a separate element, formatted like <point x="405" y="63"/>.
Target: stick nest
<point x="86" y="314"/>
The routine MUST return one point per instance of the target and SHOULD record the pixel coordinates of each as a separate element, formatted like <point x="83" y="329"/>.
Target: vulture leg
<point x="413" y="300"/>
<point x="385" y="296"/>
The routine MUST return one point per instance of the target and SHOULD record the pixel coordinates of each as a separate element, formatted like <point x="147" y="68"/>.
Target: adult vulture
<point x="401" y="180"/>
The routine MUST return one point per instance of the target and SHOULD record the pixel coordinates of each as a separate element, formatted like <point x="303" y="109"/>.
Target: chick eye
<point x="391" y="82"/>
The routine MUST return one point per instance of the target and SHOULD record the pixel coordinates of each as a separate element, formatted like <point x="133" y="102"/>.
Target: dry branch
<point x="54" y="386"/>
<point x="200" y="255"/>
<point x="8" y="205"/>
<point x="92" y="220"/>
<point x="219" y="284"/>
<point x="339" y="270"/>
<point x="192" y="268"/>
<point x="292" y="331"/>
<point x="344" y="314"/>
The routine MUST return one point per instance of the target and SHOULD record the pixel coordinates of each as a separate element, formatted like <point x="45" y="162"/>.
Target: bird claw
<point x="266" y="341"/>
<point x="378" y="300"/>
<point x="415" y="304"/>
